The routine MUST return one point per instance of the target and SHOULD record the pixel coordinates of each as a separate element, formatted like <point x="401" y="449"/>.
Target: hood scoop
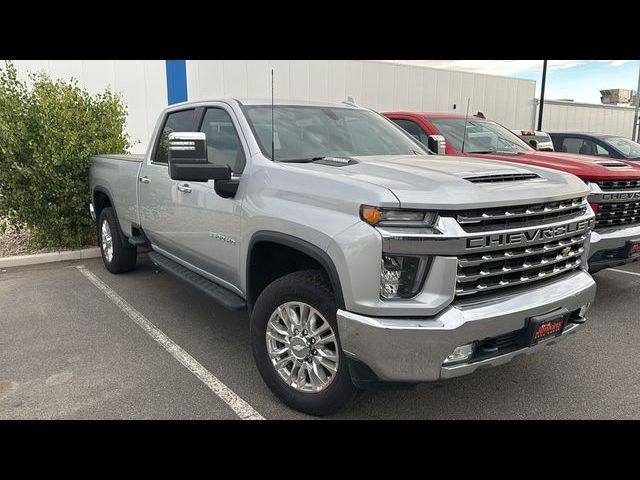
<point x="613" y="164"/>
<point x="502" y="177"/>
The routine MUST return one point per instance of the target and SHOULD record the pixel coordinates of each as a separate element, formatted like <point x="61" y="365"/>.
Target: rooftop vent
<point x="505" y="177"/>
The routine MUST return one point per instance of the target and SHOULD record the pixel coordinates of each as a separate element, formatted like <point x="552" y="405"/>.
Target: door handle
<point x="184" y="188"/>
<point x="144" y="179"/>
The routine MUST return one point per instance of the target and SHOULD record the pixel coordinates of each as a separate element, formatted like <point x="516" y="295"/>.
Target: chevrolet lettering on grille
<point x="621" y="196"/>
<point x="529" y="236"/>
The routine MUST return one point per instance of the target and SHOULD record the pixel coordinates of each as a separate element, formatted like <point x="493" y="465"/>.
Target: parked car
<point x="536" y="139"/>
<point x="614" y="185"/>
<point x="598" y="144"/>
<point x="359" y="257"/>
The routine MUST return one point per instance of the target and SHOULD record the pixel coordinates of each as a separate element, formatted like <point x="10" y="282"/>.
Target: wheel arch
<point x="255" y="284"/>
<point x="101" y="199"/>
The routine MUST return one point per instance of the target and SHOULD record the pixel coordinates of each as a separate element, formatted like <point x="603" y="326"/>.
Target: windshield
<point x="629" y="148"/>
<point x="481" y="137"/>
<point x="307" y="132"/>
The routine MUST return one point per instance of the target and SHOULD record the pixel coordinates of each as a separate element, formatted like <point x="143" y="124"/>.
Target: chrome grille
<point x="607" y="185"/>
<point x="490" y="271"/>
<point x="615" y="214"/>
<point x="523" y="215"/>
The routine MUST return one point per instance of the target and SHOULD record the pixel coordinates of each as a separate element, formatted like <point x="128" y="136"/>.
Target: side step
<point x="138" y="241"/>
<point x="220" y="294"/>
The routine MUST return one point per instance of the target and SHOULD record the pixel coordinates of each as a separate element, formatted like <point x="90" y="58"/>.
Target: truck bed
<point x="118" y="174"/>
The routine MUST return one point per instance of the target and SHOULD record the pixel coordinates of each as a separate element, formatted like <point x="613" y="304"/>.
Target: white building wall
<point x="142" y="83"/>
<point x="585" y="117"/>
<point x="379" y="85"/>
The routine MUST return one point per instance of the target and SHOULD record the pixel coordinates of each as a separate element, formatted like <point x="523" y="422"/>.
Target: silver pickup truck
<point x="360" y="257"/>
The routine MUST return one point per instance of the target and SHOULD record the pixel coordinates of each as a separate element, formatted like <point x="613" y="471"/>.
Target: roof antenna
<point x="273" y="133"/>
<point x="466" y="117"/>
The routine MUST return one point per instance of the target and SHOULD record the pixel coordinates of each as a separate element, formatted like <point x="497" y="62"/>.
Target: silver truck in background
<point x="360" y="257"/>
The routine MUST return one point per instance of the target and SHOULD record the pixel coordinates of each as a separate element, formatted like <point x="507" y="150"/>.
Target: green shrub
<point x="48" y="131"/>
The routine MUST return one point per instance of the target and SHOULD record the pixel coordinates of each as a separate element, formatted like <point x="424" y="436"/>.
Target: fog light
<point x="460" y="354"/>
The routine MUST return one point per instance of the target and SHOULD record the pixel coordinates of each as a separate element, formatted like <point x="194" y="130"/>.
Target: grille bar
<point x="612" y="214"/>
<point x="489" y="271"/>
<point x="523" y="280"/>
<point x="525" y="265"/>
<point x="472" y="261"/>
<point x="618" y="184"/>
<point x="507" y="215"/>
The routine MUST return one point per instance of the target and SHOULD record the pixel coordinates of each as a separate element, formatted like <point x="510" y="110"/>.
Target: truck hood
<point x="451" y="183"/>
<point x="584" y="166"/>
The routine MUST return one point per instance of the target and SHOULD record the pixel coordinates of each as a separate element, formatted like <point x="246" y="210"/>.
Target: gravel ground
<point x="13" y="243"/>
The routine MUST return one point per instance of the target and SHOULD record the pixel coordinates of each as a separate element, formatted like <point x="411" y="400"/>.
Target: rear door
<point x="158" y="194"/>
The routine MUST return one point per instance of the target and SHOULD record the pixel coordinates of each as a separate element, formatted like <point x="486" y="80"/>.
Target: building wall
<point x="379" y="85"/>
<point x="142" y="84"/>
<point x="585" y="117"/>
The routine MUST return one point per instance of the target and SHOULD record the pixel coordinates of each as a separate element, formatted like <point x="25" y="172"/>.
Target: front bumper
<point x="608" y="247"/>
<point x="414" y="349"/>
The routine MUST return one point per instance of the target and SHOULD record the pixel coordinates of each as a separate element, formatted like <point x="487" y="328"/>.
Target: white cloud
<point x="616" y="63"/>
<point x="494" y="67"/>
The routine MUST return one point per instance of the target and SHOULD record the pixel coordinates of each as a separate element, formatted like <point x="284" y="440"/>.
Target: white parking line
<point x="624" y="271"/>
<point x="238" y="405"/>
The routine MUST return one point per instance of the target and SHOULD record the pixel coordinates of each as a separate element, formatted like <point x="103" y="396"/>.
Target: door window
<point x="412" y="128"/>
<point x="223" y="143"/>
<point x="181" y="121"/>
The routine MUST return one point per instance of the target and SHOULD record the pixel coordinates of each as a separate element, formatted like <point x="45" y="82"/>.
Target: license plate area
<point x="542" y="327"/>
<point x="633" y="248"/>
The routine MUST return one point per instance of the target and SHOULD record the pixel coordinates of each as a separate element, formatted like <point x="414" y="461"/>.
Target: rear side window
<point x="582" y="146"/>
<point x="181" y="121"/>
<point x="412" y="128"/>
<point x="223" y="143"/>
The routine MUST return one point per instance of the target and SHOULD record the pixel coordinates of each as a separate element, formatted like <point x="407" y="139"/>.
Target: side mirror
<point x="188" y="159"/>
<point x="534" y="144"/>
<point x="437" y="144"/>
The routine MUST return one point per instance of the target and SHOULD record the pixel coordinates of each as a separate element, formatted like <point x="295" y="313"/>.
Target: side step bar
<point x="220" y="294"/>
<point x="138" y="241"/>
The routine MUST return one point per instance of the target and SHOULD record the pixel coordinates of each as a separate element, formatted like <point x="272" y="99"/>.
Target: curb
<point x="38" y="258"/>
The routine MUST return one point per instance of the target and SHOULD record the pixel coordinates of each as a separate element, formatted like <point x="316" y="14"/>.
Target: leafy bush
<point x="48" y="131"/>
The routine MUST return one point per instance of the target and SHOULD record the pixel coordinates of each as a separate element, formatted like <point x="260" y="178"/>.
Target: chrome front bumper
<point x="414" y="349"/>
<point x="607" y="240"/>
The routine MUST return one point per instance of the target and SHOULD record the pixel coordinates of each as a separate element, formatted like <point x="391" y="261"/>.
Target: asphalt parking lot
<point x="69" y="351"/>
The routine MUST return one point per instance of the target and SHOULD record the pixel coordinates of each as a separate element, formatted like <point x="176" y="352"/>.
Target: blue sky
<point x="584" y="81"/>
<point x="580" y="80"/>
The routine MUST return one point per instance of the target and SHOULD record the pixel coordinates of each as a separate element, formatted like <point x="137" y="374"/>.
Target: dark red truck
<point x="614" y="184"/>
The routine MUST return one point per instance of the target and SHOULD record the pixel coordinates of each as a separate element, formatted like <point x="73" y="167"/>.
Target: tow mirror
<point x="188" y="159"/>
<point x="534" y="144"/>
<point x="437" y="144"/>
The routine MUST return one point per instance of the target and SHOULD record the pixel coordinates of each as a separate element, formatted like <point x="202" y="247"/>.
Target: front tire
<point x="118" y="256"/>
<point x="295" y="343"/>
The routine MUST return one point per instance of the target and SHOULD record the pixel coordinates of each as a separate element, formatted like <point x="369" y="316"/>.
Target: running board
<point x="220" y="294"/>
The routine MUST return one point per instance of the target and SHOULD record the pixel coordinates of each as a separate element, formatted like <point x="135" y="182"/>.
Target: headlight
<point x="397" y="217"/>
<point x="400" y="276"/>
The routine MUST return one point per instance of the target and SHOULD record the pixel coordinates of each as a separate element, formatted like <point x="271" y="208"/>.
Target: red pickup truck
<point x="614" y="184"/>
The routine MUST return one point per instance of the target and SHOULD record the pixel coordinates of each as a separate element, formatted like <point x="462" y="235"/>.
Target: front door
<point x="210" y="233"/>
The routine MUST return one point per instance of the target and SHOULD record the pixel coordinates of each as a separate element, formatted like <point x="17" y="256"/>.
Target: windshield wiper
<point x="481" y="151"/>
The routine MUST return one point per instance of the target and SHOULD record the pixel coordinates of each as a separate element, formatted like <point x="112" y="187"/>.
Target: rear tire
<point x="312" y="373"/>
<point x="118" y="256"/>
